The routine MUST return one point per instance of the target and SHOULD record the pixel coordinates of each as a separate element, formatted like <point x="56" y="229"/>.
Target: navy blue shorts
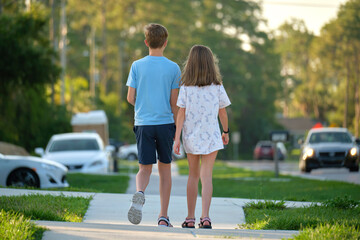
<point x="155" y="138"/>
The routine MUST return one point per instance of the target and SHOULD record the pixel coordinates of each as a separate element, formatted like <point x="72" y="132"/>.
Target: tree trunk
<point x="346" y="94"/>
<point x="357" y="103"/>
<point x="51" y="38"/>
<point x="104" y="47"/>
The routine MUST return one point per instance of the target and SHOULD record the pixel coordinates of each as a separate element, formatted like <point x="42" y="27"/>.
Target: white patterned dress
<point x="201" y="132"/>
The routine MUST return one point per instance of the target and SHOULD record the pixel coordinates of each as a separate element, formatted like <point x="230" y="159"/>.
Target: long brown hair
<point x="201" y="68"/>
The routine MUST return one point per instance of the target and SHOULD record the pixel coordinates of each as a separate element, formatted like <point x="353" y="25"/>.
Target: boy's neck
<point x="156" y="52"/>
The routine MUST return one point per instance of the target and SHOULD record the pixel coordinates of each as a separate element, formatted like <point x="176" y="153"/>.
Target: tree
<point x="26" y="68"/>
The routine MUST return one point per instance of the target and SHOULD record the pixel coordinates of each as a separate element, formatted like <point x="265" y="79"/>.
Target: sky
<point x="315" y="13"/>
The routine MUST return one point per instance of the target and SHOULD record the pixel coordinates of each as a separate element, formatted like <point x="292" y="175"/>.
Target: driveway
<point x="292" y="168"/>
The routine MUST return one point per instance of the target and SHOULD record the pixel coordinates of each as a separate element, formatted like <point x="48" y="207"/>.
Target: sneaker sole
<point x="135" y="211"/>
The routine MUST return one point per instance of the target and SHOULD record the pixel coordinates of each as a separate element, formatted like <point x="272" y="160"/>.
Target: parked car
<point x="130" y="152"/>
<point x="265" y="150"/>
<point x="21" y="171"/>
<point x="329" y="147"/>
<point x="79" y="152"/>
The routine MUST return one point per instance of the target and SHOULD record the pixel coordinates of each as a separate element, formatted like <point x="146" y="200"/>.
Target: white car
<point x="79" y="152"/>
<point x="21" y="171"/>
<point x="130" y="152"/>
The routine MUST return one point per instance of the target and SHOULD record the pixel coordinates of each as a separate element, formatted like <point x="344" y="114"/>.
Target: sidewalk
<point x="106" y="217"/>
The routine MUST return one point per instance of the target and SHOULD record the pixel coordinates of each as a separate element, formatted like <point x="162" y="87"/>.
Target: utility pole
<point x="62" y="47"/>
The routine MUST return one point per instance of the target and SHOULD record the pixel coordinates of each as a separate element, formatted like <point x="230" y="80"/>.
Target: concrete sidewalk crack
<point x="194" y="234"/>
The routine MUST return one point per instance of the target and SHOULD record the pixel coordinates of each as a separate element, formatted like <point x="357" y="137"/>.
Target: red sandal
<point x="205" y="219"/>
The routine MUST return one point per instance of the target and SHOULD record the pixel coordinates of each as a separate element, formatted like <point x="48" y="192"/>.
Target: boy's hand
<point x="225" y="138"/>
<point x="177" y="147"/>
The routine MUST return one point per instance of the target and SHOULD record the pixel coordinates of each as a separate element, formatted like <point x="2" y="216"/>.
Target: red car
<point x="265" y="150"/>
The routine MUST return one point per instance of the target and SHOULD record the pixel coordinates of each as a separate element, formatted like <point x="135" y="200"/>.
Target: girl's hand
<point x="177" y="147"/>
<point x="225" y="138"/>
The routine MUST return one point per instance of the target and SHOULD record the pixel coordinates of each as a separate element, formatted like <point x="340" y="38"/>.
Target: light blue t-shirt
<point x="153" y="78"/>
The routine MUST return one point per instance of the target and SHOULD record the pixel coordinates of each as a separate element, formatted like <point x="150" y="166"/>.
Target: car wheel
<point x="23" y="177"/>
<point x="305" y="169"/>
<point x="354" y="169"/>
<point x="131" y="157"/>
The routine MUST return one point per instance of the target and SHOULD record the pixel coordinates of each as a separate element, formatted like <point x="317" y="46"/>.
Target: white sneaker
<point x="135" y="211"/>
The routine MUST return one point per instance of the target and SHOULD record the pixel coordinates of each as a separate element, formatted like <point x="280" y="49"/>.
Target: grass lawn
<point x="16" y="212"/>
<point x="337" y="218"/>
<point x="242" y="183"/>
<point x="127" y="166"/>
<point x="80" y="182"/>
<point x="16" y="226"/>
<point x="47" y="207"/>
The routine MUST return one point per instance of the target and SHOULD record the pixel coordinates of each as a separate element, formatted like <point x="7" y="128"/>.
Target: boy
<point x="153" y="86"/>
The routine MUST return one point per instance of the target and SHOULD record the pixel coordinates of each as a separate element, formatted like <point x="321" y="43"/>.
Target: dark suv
<point x="329" y="147"/>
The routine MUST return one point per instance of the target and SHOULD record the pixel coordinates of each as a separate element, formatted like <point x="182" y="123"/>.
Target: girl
<point x="202" y="99"/>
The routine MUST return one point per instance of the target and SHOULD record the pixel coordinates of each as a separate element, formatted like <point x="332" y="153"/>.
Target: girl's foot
<point x="205" y="222"/>
<point x="164" y="222"/>
<point x="188" y="223"/>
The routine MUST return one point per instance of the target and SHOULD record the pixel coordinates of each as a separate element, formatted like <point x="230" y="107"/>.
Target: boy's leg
<point x="192" y="184"/>
<point x="165" y="188"/>
<point x="164" y="143"/>
<point x="143" y="177"/>
<point x="207" y="164"/>
<point x="145" y="139"/>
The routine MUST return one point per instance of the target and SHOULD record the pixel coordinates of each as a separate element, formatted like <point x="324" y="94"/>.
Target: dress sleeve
<point x="181" y="102"/>
<point x="224" y="100"/>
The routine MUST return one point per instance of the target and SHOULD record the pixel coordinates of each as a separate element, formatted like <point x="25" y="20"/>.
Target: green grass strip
<point x="17" y="226"/>
<point x="329" y="232"/>
<point x="97" y="183"/>
<point x="242" y="183"/>
<point x="47" y="207"/>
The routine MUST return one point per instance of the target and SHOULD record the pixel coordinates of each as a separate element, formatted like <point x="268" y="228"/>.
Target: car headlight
<point x="48" y="166"/>
<point x="309" y="153"/>
<point x="96" y="163"/>
<point x="353" y="151"/>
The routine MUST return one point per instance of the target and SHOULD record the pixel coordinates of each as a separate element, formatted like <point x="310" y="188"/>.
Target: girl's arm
<point x="224" y="122"/>
<point x="179" y="125"/>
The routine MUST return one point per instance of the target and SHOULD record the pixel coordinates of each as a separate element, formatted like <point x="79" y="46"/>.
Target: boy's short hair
<point x="155" y="35"/>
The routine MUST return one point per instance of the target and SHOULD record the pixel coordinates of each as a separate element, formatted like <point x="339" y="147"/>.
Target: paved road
<point x="292" y="168"/>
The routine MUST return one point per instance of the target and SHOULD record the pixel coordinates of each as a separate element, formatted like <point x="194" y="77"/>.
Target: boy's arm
<point x="173" y="100"/>
<point x="131" y="95"/>
<point x="224" y="122"/>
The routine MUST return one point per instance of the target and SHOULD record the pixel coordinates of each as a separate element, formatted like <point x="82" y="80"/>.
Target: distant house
<point x="93" y="121"/>
<point x="297" y="127"/>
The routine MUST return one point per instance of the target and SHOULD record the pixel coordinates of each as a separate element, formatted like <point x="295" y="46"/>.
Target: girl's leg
<point x="192" y="184"/>
<point x="207" y="164"/>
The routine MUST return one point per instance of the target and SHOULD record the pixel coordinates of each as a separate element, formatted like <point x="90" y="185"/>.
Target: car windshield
<point x="74" y="145"/>
<point x="329" y="137"/>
